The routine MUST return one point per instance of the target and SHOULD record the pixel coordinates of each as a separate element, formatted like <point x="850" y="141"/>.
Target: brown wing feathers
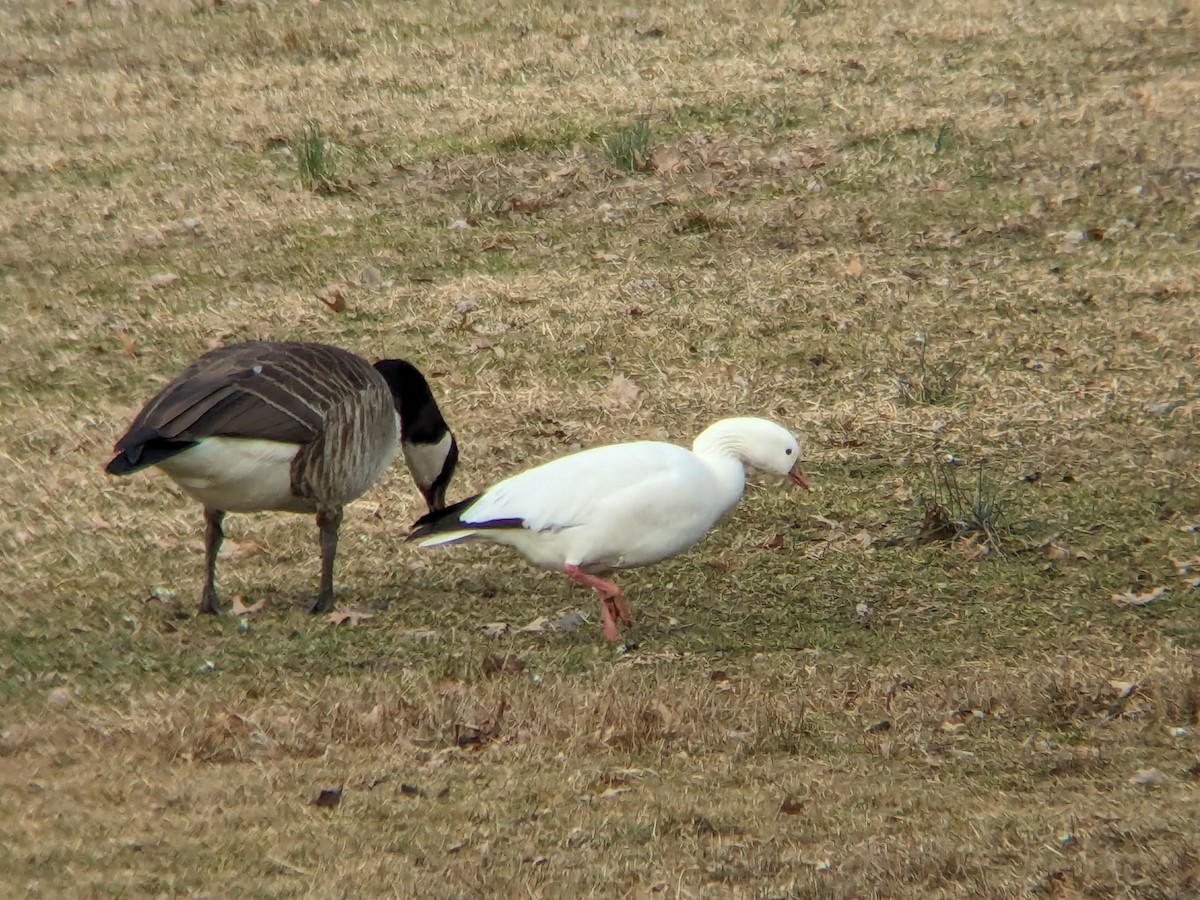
<point x="268" y="391"/>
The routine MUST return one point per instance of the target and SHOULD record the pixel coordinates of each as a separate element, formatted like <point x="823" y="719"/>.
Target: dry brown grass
<point x="1017" y="184"/>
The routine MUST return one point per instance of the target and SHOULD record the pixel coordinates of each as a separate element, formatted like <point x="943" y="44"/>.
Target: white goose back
<point x="623" y="505"/>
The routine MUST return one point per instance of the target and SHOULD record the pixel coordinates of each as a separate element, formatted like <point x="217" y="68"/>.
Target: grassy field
<point x="955" y="246"/>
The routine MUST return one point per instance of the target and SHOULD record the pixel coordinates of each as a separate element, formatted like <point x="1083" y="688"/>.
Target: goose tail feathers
<point x="450" y="524"/>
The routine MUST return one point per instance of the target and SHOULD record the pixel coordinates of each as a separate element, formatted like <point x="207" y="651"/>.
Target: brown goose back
<point x="331" y="403"/>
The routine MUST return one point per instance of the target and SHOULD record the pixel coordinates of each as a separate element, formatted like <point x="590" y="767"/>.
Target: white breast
<point x="238" y="474"/>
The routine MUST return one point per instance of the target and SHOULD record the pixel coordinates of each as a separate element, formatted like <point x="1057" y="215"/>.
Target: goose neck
<point x="716" y="442"/>
<point x="721" y="452"/>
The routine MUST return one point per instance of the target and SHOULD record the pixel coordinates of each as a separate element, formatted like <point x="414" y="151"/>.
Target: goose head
<point x="429" y="447"/>
<point x="759" y="444"/>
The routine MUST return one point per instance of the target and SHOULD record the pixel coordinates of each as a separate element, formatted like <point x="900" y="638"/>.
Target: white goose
<point x="619" y="506"/>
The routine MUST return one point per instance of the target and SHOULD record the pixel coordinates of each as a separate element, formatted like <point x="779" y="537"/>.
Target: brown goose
<point x="291" y="426"/>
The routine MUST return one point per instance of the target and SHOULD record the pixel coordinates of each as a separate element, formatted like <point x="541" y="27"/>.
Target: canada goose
<point x="299" y="427"/>
<point x="619" y="506"/>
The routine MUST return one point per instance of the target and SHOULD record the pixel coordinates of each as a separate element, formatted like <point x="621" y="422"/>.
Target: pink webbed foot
<point x="611" y="632"/>
<point x="621" y="610"/>
<point x="613" y="608"/>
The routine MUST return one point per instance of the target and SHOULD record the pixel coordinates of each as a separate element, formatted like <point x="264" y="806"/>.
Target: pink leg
<point x="612" y="604"/>
<point x="622" y="611"/>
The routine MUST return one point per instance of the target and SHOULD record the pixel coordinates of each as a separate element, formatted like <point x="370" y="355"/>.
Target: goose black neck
<point x="420" y="418"/>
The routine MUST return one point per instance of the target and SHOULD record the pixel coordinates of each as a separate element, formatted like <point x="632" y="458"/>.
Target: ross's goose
<point x="300" y="427"/>
<point x="618" y="506"/>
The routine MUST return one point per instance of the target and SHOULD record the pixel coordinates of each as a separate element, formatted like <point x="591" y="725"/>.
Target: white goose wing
<point x="568" y="491"/>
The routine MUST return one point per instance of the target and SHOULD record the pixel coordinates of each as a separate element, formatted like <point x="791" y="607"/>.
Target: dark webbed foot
<point x="208" y="602"/>
<point x="324" y="604"/>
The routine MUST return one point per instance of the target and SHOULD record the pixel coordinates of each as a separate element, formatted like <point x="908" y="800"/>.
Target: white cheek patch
<point x="425" y="461"/>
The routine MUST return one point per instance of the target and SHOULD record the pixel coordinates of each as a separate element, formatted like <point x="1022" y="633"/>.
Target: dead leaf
<point x="971" y="548"/>
<point x="508" y="664"/>
<point x="411" y="790"/>
<point x="666" y="161"/>
<point x="329" y="798"/>
<point x="1123" y="688"/>
<point x="537" y="626"/>
<point x="417" y="634"/>
<point x="1163" y="407"/>
<point x="499" y="242"/>
<point x="282" y="864"/>
<point x="374" y="717"/>
<point x="1056" y="551"/>
<point x="790" y="807"/>
<point x="623" y="392"/>
<point x="239" y="607"/>
<point x="59" y="696"/>
<point x="1129" y="598"/>
<point x="1183" y="566"/>
<point x="1149" y="777"/>
<point x="854" y="266"/>
<point x="527" y="205"/>
<point x="353" y="616"/>
<point x="495" y="629"/>
<point x="333" y="298"/>
<point x="543" y="625"/>
<point x="669" y="719"/>
<point x="161" y="279"/>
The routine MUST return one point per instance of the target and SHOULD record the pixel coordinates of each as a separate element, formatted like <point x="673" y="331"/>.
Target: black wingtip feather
<point x="136" y="457"/>
<point x="444" y="519"/>
<point x="121" y="464"/>
<point x="450" y="519"/>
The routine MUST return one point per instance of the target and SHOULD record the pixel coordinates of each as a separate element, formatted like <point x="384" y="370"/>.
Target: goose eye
<point x="788" y="451"/>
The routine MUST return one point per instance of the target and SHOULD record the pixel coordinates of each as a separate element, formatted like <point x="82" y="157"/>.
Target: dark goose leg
<point x="213" y="535"/>
<point x="329" y="521"/>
